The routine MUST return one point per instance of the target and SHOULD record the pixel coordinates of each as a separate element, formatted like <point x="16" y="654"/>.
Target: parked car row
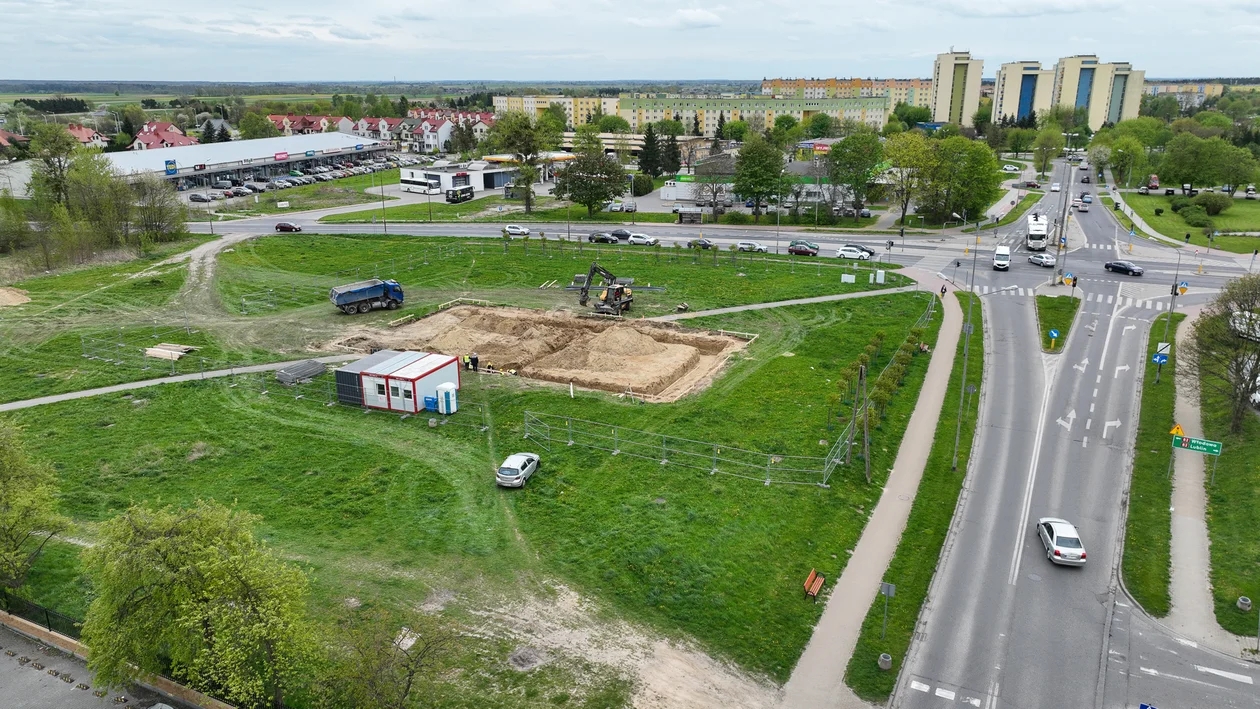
<point x="238" y="187"/>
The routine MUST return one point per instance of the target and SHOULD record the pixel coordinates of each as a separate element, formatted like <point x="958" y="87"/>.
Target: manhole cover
<point x="1034" y="577"/>
<point x="903" y="497"/>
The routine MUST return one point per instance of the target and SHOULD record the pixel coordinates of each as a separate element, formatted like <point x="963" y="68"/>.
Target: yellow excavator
<point x="615" y="294"/>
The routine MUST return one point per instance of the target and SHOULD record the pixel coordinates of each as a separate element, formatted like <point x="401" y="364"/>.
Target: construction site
<point x="662" y="362"/>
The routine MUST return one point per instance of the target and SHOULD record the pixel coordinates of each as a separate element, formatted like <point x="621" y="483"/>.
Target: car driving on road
<point x="287" y="226"/>
<point x="1061" y="540"/>
<point x="801" y="247"/>
<point x="752" y="246"/>
<point x="869" y="251"/>
<point x="1047" y="260"/>
<point x="701" y="244"/>
<point x="1054" y="187"/>
<point x="1127" y="267"/>
<point x="1010" y="168"/>
<point x="620" y="233"/>
<point x="852" y="252"/>
<point x="516" y="230"/>
<point x="601" y="237"/>
<point x="643" y="240"/>
<point x="516" y="470"/>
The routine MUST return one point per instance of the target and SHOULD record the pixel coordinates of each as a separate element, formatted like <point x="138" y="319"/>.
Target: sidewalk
<point x="818" y="679"/>
<point x="1191" y="584"/>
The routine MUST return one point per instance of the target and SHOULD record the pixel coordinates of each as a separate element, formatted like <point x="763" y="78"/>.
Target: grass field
<point x="1148" y="528"/>
<point x="1055" y="313"/>
<point x="1243" y="216"/>
<point x="386" y="509"/>
<point x="914" y="563"/>
<point x="1016" y="212"/>
<point x="334" y="193"/>
<point x="1233" y="513"/>
<point x="475" y="268"/>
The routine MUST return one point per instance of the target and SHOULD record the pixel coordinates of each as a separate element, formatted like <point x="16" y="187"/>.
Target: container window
<point x="380" y="389"/>
<point x="393" y="391"/>
<point x="406" y="393"/>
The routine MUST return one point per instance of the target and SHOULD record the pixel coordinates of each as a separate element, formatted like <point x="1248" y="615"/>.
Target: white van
<point x="1002" y="258"/>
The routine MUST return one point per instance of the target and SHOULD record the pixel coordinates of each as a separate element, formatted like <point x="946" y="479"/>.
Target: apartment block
<point x="916" y="92"/>
<point x="1188" y="93"/>
<point x="955" y="87"/>
<point x="757" y="110"/>
<point x="1022" y="89"/>
<point x="1109" y="91"/>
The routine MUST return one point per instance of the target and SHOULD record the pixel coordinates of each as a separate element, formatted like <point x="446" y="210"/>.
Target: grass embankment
<point x="389" y="510"/>
<point x="321" y="195"/>
<point x="1016" y="212"/>
<point x="1055" y="312"/>
<point x="481" y="269"/>
<point x="919" y="549"/>
<point x="1244" y="215"/>
<point x="1148" y="528"/>
<point x="1233" y="512"/>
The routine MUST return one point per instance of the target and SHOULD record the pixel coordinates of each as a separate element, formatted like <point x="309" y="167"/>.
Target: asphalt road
<point x="1004" y="627"/>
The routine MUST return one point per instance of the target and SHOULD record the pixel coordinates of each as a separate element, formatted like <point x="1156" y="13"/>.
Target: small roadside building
<point x="406" y="382"/>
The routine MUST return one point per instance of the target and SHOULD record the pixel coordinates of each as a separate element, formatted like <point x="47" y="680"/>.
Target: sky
<point x="593" y="40"/>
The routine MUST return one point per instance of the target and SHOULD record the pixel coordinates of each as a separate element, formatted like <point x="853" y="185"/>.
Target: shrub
<point x="736" y="218"/>
<point x="1214" y="202"/>
<point x="642" y="185"/>
<point x="1195" y="215"/>
<point x="1179" y="202"/>
<point x="1159" y="211"/>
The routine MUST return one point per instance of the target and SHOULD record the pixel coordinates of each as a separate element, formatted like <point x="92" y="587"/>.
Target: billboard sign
<point x="171" y="169"/>
<point x="310" y="153"/>
<point x="282" y="156"/>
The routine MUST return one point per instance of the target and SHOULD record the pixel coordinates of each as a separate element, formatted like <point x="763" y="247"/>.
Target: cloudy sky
<point x="537" y="40"/>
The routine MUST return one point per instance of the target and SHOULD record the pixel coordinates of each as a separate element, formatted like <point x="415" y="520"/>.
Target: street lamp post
<point x="971" y="299"/>
<point x="778" y="209"/>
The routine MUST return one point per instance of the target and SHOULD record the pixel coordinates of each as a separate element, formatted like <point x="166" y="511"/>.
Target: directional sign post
<point x="1159" y="358"/>
<point x="1198" y="445"/>
<point x="1054" y="335"/>
<point x="1183" y="287"/>
<point x="887" y="590"/>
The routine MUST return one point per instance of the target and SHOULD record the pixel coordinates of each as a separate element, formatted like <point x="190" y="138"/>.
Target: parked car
<point x="516" y="230"/>
<point x="198" y="197"/>
<point x="601" y="237"/>
<point x="865" y="213"/>
<point x="643" y="240"/>
<point x="1168" y="191"/>
<point x="629" y="207"/>
<point x="295" y="173"/>
<point x="287" y="226"/>
<point x="241" y="192"/>
<point x="516" y="470"/>
<point x="213" y="194"/>
<point x="1032" y="185"/>
<point x="615" y="207"/>
<point x="852" y="252"/>
<point x="1128" y="267"/>
<point x="1043" y="259"/>
<point x="752" y="246"/>
<point x="701" y="244"/>
<point x="1061" y="540"/>
<point x="1054" y="187"/>
<point x="223" y="185"/>
<point x="255" y="187"/>
<point x="803" y="248"/>
<point x="1249" y="195"/>
<point x="621" y="233"/>
<point x="1010" y="168"/>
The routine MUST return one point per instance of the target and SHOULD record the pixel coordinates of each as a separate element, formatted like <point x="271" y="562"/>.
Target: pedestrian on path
<point x="942" y="291"/>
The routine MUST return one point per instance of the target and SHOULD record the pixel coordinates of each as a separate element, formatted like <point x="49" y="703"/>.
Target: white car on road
<point x="1061" y="540"/>
<point x="852" y="252"/>
<point x="515" y="230"/>
<point x="517" y="469"/>
<point x="752" y="246"/>
<point x="1047" y="260"/>
<point x="643" y="240"/>
<point x="1010" y="168"/>
<point x="1055" y="187"/>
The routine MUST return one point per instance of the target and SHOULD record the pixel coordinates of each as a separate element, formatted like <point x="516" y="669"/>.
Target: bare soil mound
<point x="12" y="296"/>
<point x="664" y="361"/>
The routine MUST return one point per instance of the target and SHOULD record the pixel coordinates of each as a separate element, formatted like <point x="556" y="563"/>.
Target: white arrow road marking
<point x="1081" y="367"/>
<point x="1127" y="328"/>
<point x="1121" y="368"/>
<point x="1092" y="326"/>
<point x="1071" y="416"/>
<point x="1222" y="673"/>
<point x="1107" y="426"/>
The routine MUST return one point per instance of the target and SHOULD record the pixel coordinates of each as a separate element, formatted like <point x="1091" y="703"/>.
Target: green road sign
<point x="1197" y="445"/>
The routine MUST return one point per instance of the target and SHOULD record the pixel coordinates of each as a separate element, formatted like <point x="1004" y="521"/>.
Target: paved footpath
<point x="214" y="374"/>
<point x="1191" y="585"/>
<point x="818" y="680"/>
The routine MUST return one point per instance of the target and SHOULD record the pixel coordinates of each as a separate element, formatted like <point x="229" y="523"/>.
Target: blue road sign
<point x="1184" y="284"/>
<point x="1054" y="334"/>
<point x="1132" y="232"/>
<point x="1068" y="276"/>
<point x="1062" y="239"/>
<point x="1158" y="358"/>
<point x="1146" y="706"/>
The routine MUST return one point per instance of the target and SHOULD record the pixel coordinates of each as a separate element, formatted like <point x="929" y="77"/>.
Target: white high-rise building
<point x="955" y="87"/>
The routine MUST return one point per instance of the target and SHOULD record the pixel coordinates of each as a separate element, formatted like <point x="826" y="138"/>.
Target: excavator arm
<point x="596" y="269"/>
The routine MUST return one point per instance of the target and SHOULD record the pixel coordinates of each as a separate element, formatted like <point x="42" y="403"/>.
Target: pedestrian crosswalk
<point x="1105" y="247"/>
<point x="1125" y="302"/>
<point x="1008" y="290"/>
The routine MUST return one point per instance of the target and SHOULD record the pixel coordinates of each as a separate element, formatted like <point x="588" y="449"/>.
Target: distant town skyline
<point x="547" y="40"/>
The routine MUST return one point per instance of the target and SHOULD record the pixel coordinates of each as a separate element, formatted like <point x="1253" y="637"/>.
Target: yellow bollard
<point x="1200" y="267"/>
<point x="966" y="251"/>
<point x="1130" y="248"/>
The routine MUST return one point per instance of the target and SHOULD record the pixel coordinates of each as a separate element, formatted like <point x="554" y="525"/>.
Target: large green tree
<point x="1048" y="146"/>
<point x="52" y="151"/>
<point x="1225" y="345"/>
<point x="650" y="155"/>
<point x="671" y="156"/>
<point x="255" y="125"/>
<point x="853" y="163"/>
<point x="592" y="177"/>
<point x="910" y="157"/>
<point x="735" y="130"/>
<point x="758" y="172"/>
<point x="28" y="507"/>
<point x="819" y="125"/>
<point x="613" y="124"/>
<point x="193" y="591"/>
<point x="963" y="179"/>
<point x="1019" y="140"/>
<point x="527" y="140"/>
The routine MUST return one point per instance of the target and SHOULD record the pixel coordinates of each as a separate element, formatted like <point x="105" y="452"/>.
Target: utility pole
<point x="971" y="299"/>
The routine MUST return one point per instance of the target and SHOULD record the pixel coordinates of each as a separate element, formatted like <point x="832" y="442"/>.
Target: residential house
<point x="481" y="120"/>
<point x="290" y="124"/>
<point x="377" y="128"/>
<point x="87" y="136"/>
<point x="434" y="135"/>
<point x="160" y="134"/>
<point x="12" y="140"/>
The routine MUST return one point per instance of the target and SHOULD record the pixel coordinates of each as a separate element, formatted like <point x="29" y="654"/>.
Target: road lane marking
<point x="1081" y="367"/>
<point x="1129" y="327"/>
<point x="1091" y="407"/>
<point x="1026" y="507"/>
<point x="1120" y="368"/>
<point x="1157" y="673"/>
<point x="944" y="693"/>
<point x="1085" y="442"/>
<point x="1188" y="643"/>
<point x="1222" y="673"/>
<point x="1107" y="426"/>
<point x="1095" y="391"/>
<point x="918" y="686"/>
<point x="1087" y="423"/>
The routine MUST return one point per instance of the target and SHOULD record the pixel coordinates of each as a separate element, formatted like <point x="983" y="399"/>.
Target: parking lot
<point x="229" y="189"/>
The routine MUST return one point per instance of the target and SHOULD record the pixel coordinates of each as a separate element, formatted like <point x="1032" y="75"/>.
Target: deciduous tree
<point x="391" y="656"/>
<point x="1048" y="146"/>
<point x="911" y="160"/>
<point x="1224" y="348"/>
<point x="28" y="507"/>
<point x="254" y="125"/>
<point x="758" y="172"/>
<point x="52" y="149"/>
<point x="853" y="163"/>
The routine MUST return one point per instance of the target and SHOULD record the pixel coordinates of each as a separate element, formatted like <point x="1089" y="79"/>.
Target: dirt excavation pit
<point x="663" y="361"/>
<point x="12" y="296"/>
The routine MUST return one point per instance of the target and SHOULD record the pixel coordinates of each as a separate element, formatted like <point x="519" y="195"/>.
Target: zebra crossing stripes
<point x="1125" y="301"/>
<point x="1018" y="292"/>
<point x="1107" y="247"/>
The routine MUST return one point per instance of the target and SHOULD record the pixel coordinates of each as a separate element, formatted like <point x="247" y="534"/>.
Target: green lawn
<point x="914" y="562"/>
<point x="1148" y="528"/>
<point x="1055" y="313"/>
<point x="1233" y="513"/>
<point x="420" y="211"/>
<point x="1243" y="216"/>
<point x="322" y="195"/>
<point x="1016" y="212"/>
<point x="474" y="268"/>
<point x="381" y="508"/>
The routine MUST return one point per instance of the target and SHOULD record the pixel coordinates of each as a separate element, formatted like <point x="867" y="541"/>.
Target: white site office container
<point x="419" y="380"/>
<point x="447" y="398"/>
<point x="375" y="383"/>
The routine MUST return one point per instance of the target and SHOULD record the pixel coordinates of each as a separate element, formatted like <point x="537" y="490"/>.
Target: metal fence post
<point x="569" y="424"/>
<point x="616" y="443"/>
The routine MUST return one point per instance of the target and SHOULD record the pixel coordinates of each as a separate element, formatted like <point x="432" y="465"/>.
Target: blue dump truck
<point x="362" y="296"/>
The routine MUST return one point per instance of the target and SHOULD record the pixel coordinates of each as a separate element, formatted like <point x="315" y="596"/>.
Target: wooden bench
<point x="814" y="584"/>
